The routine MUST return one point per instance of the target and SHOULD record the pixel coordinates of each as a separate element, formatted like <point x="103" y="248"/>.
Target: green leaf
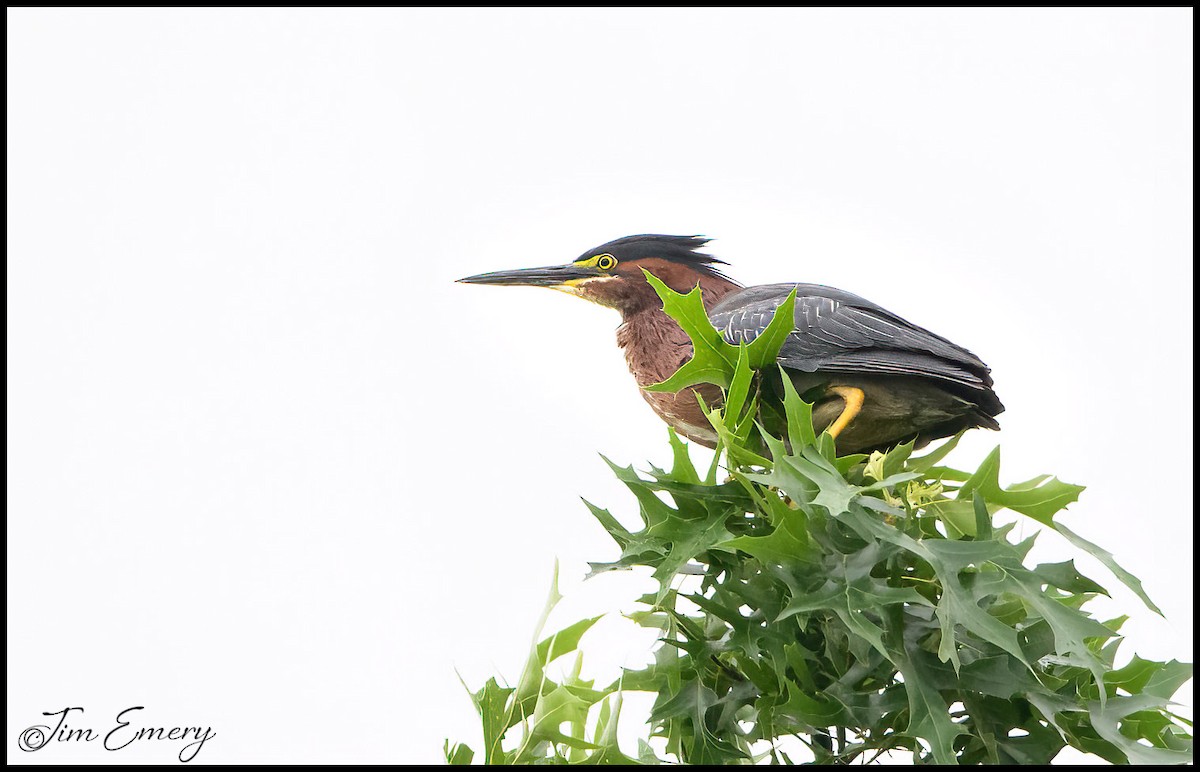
<point x="799" y="414"/>
<point x="1107" y="718"/>
<point x="713" y="360"/>
<point x="646" y="754"/>
<point x="764" y="349"/>
<point x="492" y="703"/>
<point x="929" y="717"/>
<point x="1066" y="577"/>
<point x="732" y="440"/>
<point x="959" y="516"/>
<point x="925" y="463"/>
<point x="983" y="519"/>
<point x="691" y="704"/>
<point x="895" y="461"/>
<point x="563" y="705"/>
<point x="787" y="542"/>
<point x="619" y="533"/>
<point x="1106" y="557"/>
<point x="1041" y="501"/>
<point x="998" y="676"/>
<point x="809" y="477"/>
<point x="683" y="470"/>
<point x="564" y="641"/>
<point x="1135" y="675"/>
<point x="1071" y="630"/>
<point x="458" y="754"/>
<point x="812" y="711"/>
<point x="1167" y="680"/>
<point x="738" y="392"/>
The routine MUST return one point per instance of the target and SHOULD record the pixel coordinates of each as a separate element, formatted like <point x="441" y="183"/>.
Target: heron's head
<point x="614" y="274"/>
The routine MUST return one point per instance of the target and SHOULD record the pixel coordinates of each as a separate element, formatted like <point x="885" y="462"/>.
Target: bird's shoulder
<point x="745" y="313"/>
<point x="774" y="294"/>
<point x="831" y="324"/>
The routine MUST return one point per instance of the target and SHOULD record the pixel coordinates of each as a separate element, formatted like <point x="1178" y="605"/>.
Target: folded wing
<point x="837" y="331"/>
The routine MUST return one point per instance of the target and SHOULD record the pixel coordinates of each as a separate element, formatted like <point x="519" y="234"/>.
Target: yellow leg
<point x="854" y="401"/>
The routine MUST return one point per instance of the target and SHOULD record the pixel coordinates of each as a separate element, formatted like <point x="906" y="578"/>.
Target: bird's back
<point x="839" y="332"/>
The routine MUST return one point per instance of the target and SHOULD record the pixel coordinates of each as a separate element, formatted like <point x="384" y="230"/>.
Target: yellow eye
<point x="605" y="262"/>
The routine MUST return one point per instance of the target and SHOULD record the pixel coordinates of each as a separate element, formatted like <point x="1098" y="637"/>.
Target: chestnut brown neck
<point x="654" y="345"/>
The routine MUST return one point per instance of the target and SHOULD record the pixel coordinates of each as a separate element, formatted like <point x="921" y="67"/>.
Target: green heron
<point x="874" y="379"/>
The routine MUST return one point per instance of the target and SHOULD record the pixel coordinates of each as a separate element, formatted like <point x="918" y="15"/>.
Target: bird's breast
<point x="654" y="349"/>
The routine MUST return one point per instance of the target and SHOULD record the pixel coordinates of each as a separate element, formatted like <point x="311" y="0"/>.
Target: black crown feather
<point x="678" y="249"/>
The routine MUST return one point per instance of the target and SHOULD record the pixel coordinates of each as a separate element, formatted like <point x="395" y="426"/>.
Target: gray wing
<point x="837" y="331"/>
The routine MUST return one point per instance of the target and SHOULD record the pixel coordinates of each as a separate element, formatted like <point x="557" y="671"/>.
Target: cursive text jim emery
<point x="122" y="733"/>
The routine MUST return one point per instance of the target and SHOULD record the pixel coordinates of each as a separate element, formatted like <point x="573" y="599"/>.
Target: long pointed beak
<point x="550" y="276"/>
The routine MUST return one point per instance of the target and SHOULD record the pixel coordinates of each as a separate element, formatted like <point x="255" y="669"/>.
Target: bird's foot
<point x="854" y="398"/>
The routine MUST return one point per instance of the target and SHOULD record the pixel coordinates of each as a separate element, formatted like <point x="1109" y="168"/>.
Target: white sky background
<point x="271" y="470"/>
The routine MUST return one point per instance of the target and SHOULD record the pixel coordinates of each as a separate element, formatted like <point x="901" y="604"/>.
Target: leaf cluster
<point x="860" y="604"/>
<point x="552" y="716"/>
